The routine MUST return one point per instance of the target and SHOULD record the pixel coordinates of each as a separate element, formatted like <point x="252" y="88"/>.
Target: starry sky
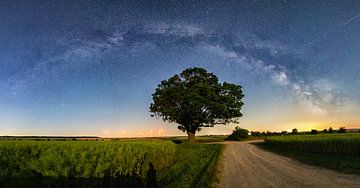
<point x="90" y="67"/>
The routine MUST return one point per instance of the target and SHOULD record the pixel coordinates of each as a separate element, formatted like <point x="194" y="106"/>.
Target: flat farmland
<point x="127" y="163"/>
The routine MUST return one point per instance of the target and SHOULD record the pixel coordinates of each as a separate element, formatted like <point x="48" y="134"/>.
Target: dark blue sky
<point x="89" y="67"/>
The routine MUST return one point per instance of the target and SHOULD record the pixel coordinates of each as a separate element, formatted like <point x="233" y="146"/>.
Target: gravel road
<point x="247" y="165"/>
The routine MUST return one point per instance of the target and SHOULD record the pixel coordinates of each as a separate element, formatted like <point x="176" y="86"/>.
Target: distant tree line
<point x="295" y="131"/>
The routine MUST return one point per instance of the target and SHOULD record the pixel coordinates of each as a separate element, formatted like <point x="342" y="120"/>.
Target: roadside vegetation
<point x="195" y="166"/>
<point x="339" y="151"/>
<point x="29" y="163"/>
<point x="238" y="134"/>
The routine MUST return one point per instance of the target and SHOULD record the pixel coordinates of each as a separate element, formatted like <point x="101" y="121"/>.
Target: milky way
<point x="90" y="67"/>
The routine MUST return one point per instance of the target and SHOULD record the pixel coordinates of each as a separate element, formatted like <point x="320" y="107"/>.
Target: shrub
<point x="238" y="134"/>
<point x="342" y="130"/>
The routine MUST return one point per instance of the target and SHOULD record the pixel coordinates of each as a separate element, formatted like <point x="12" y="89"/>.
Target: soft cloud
<point x="116" y="38"/>
<point x="181" y="30"/>
<point x="253" y="42"/>
<point x="280" y="78"/>
<point x="220" y="51"/>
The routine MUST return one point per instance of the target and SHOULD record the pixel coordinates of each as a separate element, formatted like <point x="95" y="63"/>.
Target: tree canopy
<point x="196" y="99"/>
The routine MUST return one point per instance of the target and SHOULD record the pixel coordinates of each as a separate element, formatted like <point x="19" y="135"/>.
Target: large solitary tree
<point x="196" y="99"/>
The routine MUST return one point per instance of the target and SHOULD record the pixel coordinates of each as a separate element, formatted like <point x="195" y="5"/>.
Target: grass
<point x="335" y="151"/>
<point x="199" y="139"/>
<point x="195" y="166"/>
<point x="106" y="163"/>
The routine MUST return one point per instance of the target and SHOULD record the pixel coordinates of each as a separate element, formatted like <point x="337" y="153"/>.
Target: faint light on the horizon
<point x="124" y="133"/>
<point x="161" y="132"/>
<point x="106" y="132"/>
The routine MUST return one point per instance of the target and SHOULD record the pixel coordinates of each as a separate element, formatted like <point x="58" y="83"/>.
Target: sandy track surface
<point x="247" y="165"/>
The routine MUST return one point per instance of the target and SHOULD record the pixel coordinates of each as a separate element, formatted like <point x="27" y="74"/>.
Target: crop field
<point x="334" y="144"/>
<point x="339" y="151"/>
<point x="106" y="163"/>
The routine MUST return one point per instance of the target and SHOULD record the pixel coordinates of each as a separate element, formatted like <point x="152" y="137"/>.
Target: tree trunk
<point x="191" y="137"/>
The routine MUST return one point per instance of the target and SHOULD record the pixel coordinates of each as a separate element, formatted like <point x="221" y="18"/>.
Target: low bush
<point x="238" y="134"/>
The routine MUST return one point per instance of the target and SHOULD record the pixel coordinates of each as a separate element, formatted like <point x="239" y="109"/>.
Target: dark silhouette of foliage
<point x="238" y="134"/>
<point x="196" y="99"/>
<point x="295" y="131"/>
<point x="331" y="130"/>
<point x="342" y="130"/>
<point x="177" y="141"/>
<point x="257" y="133"/>
<point x="313" y="131"/>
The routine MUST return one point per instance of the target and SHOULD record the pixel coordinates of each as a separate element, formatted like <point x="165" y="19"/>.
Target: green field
<point x="340" y="151"/>
<point x="28" y="163"/>
<point x="200" y="139"/>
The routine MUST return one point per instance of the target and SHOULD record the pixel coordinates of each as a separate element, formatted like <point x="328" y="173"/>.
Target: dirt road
<point x="247" y="165"/>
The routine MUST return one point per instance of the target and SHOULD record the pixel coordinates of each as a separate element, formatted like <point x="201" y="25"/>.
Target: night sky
<point x="90" y="67"/>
